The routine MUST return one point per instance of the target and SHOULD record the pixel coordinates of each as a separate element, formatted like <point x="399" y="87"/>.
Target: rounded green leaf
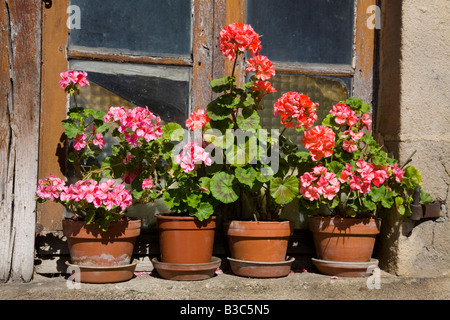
<point x="223" y="187"/>
<point x="285" y="191"/>
<point x="246" y="176"/>
<point x="248" y="120"/>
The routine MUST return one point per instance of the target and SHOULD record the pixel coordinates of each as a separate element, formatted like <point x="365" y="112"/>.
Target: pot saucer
<point x="345" y="269"/>
<point x="254" y="269"/>
<point x="178" y="271"/>
<point x="101" y="274"/>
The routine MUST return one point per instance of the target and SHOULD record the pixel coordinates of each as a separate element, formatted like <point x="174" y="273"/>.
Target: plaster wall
<point x="413" y="119"/>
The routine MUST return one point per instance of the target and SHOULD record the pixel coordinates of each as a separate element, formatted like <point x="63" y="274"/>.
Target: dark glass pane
<point x="153" y="28"/>
<point x="164" y="90"/>
<point x="319" y="31"/>
<point x="326" y="91"/>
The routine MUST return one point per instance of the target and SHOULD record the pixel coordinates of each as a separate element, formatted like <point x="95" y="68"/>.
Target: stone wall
<point x="413" y="118"/>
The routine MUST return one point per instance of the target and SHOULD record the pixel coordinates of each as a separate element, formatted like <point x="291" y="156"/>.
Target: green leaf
<point x="412" y="177"/>
<point x="265" y="174"/>
<point x="70" y="129"/>
<point x="100" y="126"/>
<point x="246" y="176"/>
<point x="425" y="198"/>
<point x="88" y="112"/>
<point x="222" y="84"/>
<point x="218" y="109"/>
<point x="223" y="187"/>
<point x="248" y="120"/>
<point x="193" y="200"/>
<point x="204" y="211"/>
<point x="172" y="132"/>
<point x="399" y="205"/>
<point x="98" y="115"/>
<point x="285" y="191"/>
<point x="205" y="183"/>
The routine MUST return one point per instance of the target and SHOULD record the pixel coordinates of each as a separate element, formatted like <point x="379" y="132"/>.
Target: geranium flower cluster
<point x="365" y="175"/>
<point x="238" y="37"/>
<point x="197" y="120"/>
<point x="360" y="178"/>
<point x="296" y="107"/>
<point x="344" y="116"/>
<point x="191" y="155"/>
<point x="82" y="140"/>
<point x="73" y="78"/>
<point x="105" y="194"/>
<point x="264" y="70"/>
<point x="262" y="66"/>
<point x="320" y="141"/>
<point x="135" y="123"/>
<point x="319" y="182"/>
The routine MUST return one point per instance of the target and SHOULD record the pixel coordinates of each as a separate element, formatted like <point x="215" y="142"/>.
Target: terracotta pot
<point x="89" y="246"/>
<point x="344" y="240"/>
<point x="259" y="241"/>
<point x="186" y="240"/>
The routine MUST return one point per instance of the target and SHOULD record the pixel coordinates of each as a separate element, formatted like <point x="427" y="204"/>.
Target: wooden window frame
<point x="209" y="17"/>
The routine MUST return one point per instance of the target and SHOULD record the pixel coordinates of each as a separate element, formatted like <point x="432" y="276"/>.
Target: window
<point x="163" y="54"/>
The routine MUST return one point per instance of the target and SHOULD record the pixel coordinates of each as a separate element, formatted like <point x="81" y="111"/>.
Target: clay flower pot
<point x="258" y="248"/>
<point x="260" y="241"/>
<point x="102" y="256"/>
<point x="186" y="246"/>
<point x="346" y="241"/>
<point x="186" y="240"/>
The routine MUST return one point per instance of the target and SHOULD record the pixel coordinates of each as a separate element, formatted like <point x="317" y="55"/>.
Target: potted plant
<point x="250" y="179"/>
<point x="99" y="235"/>
<point x="348" y="183"/>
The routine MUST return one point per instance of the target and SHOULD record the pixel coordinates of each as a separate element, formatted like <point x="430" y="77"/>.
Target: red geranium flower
<point x="262" y="66"/>
<point x="319" y="141"/>
<point x="238" y="37"/>
<point x="296" y="106"/>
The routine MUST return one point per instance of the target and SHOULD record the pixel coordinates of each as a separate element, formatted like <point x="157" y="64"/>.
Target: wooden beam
<point x="52" y="147"/>
<point x="236" y="13"/>
<point x="20" y="85"/>
<point x="120" y="58"/>
<point x="315" y="69"/>
<point x="364" y="51"/>
<point x="202" y="51"/>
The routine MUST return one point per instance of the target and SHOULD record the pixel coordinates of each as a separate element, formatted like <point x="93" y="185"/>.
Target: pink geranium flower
<point x="73" y="77"/>
<point x="80" y="142"/>
<point x="319" y="182"/>
<point x="99" y="141"/>
<point x="147" y="184"/>
<point x="197" y="120"/>
<point x="135" y="124"/>
<point x="191" y="155"/>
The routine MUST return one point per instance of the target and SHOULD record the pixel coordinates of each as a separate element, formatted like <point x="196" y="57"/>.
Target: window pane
<point x="164" y="90"/>
<point x="305" y="31"/>
<point x="142" y="27"/>
<point x="326" y="91"/>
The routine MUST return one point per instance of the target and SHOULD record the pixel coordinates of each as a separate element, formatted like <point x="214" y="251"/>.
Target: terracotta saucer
<point x="175" y="271"/>
<point x="254" y="269"/>
<point x="345" y="269"/>
<point x="101" y="274"/>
